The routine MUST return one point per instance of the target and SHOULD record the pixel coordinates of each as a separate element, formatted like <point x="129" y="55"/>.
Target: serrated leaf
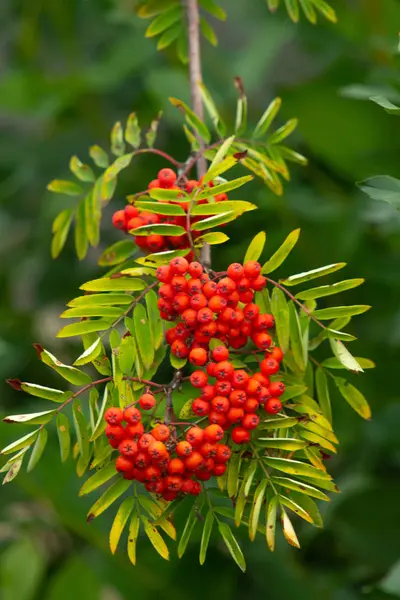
<point x="38" y="418"/>
<point x="160" y="208"/>
<point x="267" y="118"/>
<point x="84" y="327"/>
<point x="155" y="538"/>
<point x="99" y="156"/>
<point x="232" y="545"/>
<point x="256" y="247"/>
<point x="295" y="467"/>
<point x="321" y="384"/>
<point x="116" y="490"/>
<point x="143" y="335"/>
<point x="280" y="310"/>
<point x="233" y="474"/>
<point x="81" y="171"/>
<point x="187" y="532"/>
<point x="98" y="479"/>
<point x="237" y="206"/>
<point x="291" y="444"/>
<point x="70" y="188"/>
<point x="354" y="397"/>
<point x="256" y="508"/>
<point x="299" y="486"/>
<point x="61" y="227"/>
<point x="159" y="229"/>
<point x="26" y="440"/>
<point x="193" y="120"/>
<point x="270" y="519"/>
<point x="121" y="519"/>
<point x="117" y="140"/>
<point x="133" y="131"/>
<point x="107" y="284"/>
<point x="213" y="238"/>
<point x="133" y="534"/>
<point x="329" y="290"/>
<point x="215" y="221"/>
<point x="344" y="356"/>
<point x="282" y="253"/>
<point x="340" y="311"/>
<point x="205" y="537"/>
<point x="63" y="436"/>
<point x="37" y="450"/>
<point x="313" y="274"/>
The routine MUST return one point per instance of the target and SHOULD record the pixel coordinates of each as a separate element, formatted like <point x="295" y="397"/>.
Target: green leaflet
<point x="99" y="156"/>
<point x="61" y="227"/>
<point x="222" y="188"/>
<point x="214" y="221"/>
<point x="340" y="311"/>
<point x="83" y="327"/>
<point x="155" y="538"/>
<point x="259" y="495"/>
<point x="296" y="508"/>
<point x="205" y="537"/>
<point x="26" y="440"/>
<point x="64" y="438"/>
<point x="38" y="418"/>
<point x="296" y="467"/>
<point x="282" y="253"/>
<point x="334" y="363"/>
<point x="121" y="519"/>
<point x="233" y="474"/>
<point x="300" y="486"/>
<point x="110" y="495"/>
<point x="232" y="545"/>
<point x="111" y="299"/>
<point x="81" y="237"/>
<point x="321" y="384"/>
<point x="267" y="118"/>
<point x="344" y="356"/>
<point x="216" y="120"/>
<point x="299" y="349"/>
<point x="143" y="335"/>
<point x="256" y="247"/>
<point x="313" y="274"/>
<point x="159" y="229"/>
<point x="237" y="206"/>
<point x="132" y="132"/>
<point x="81" y="428"/>
<point x="288" y="530"/>
<point x="90" y="353"/>
<point x="280" y="310"/>
<point x="270" y="519"/>
<point x="133" y="533"/>
<point x="98" y="479"/>
<point x="329" y="290"/>
<point x="193" y="120"/>
<point x="187" y="532"/>
<point x="161" y="209"/>
<point x="37" y="450"/>
<point x="291" y="444"/>
<point x="116" y="284"/>
<point x="70" y="188"/>
<point x="117" y="253"/>
<point x="213" y="238"/>
<point x="354" y="397"/>
<point x="111" y="312"/>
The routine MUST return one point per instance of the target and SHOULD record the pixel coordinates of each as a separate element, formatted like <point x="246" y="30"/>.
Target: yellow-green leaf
<point x="121" y="519"/>
<point x="300" y="486"/>
<point x="98" y="479"/>
<point x="329" y="290"/>
<point x="114" y="284"/>
<point x="344" y="356"/>
<point x="354" y="397"/>
<point x="288" y="530"/>
<point x="64" y="438"/>
<point x="256" y="247"/>
<point x="321" y="384"/>
<point x="267" y="118"/>
<point x="37" y="450"/>
<point x="83" y="327"/>
<point x="155" y="538"/>
<point x="116" y="490"/>
<point x="296" y="467"/>
<point x="133" y="535"/>
<point x="282" y="253"/>
<point x="270" y="519"/>
<point x="187" y="532"/>
<point x="26" y="440"/>
<point x="205" y="537"/>
<point x="232" y="545"/>
<point x="256" y="508"/>
<point x="70" y="188"/>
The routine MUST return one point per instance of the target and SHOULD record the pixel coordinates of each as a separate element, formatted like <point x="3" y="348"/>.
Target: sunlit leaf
<point x="233" y="474"/>
<point x="238" y="206"/>
<point x="192" y="119"/>
<point x="37" y="450"/>
<point x="107" y="284"/>
<point x="143" y="335"/>
<point x="340" y="311"/>
<point x="296" y="341"/>
<point x="70" y="188"/>
<point x="81" y="171"/>
<point x="286" y="129"/>
<point x="354" y="397"/>
<point x="117" y="140"/>
<point x="280" y="310"/>
<point x="256" y="508"/>
<point x="155" y="538"/>
<point x="299" y="486"/>
<point x="13" y="471"/>
<point x="329" y="290"/>
<point x="61" y="227"/>
<point x="121" y="519"/>
<point x="132" y="131"/>
<point x="38" y="418"/>
<point x="26" y="440"/>
<point x="256" y="247"/>
<point x="334" y="363"/>
<point x="291" y="444"/>
<point x="296" y="508"/>
<point x="159" y="229"/>
<point x="213" y="238"/>
<point x="313" y="274"/>
<point x="99" y="156"/>
<point x="270" y="519"/>
<point x="161" y="208"/>
<point x="133" y="535"/>
<point x="288" y="530"/>
<point x="116" y="490"/>
<point x="98" y="479"/>
<point x="215" y="221"/>
<point x="282" y="253"/>
<point x="222" y="188"/>
<point x="84" y="327"/>
<point x="64" y="438"/>
<point x="116" y="253"/>
<point x="295" y="467"/>
<point x="344" y="356"/>
<point x="321" y="384"/>
<point x="187" y="532"/>
<point x="267" y="118"/>
<point x="279" y="423"/>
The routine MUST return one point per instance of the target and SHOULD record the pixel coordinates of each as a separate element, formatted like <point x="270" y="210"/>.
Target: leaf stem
<point x="168" y="157"/>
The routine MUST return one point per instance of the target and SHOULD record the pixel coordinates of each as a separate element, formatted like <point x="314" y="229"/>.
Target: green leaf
<point x="208" y="32"/>
<point x="354" y="397"/>
<point x="186" y="411"/>
<point x="71" y="374"/>
<point x="280" y="310"/>
<point x="116" y="253"/>
<point x="340" y="335"/>
<point x="313" y="274"/>
<point x="143" y="335"/>
<point x="213" y="111"/>
<point x="215" y="221"/>
<point x="300" y="486"/>
<point x="389" y="107"/>
<point x="133" y="131"/>
<point x="42" y="392"/>
<point x="222" y="188"/>
<point x="38" y="418"/>
<point x="259" y="495"/>
<point x="315" y="438"/>
<point x="193" y="120"/>
<point x="61" y="227"/>
<point x="310" y="506"/>
<point x="26" y="440"/>
<point x="117" y="140"/>
<point x="92" y="311"/>
<point x="286" y="129"/>
<point x="151" y="133"/>
<point x="81" y="171"/>
<point x="100" y="423"/>
<point x="296" y="508"/>
<point x="279" y="423"/>
<point x="81" y="238"/>
<point x="165" y="194"/>
<point x="296" y="467"/>
<point x="329" y="290"/>
<point x="292" y="391"/>
<point x="241" y="107"/>
<point x="110" y="284"/>
<point x="232" y="545"/>
<point x="92" y="205"/>
<point x="70" y="188"/>
<point x="160" y="208"/>
<point x="13" y="471"/>
<point x="159" y="229"/>
<point x="233" y="474"/>
<point x="334" y="363"/>
<point x="155" y="538"/>
<point x="161" y="258"/>
<point x="187" y="532"/>
<point x="121" y="519"/>
<point x="383" y="188"/>
<point x="237" y="206"/>
<point x="166" y="39"/>
<point x="324" y="400"/>
<point x="213" y="238"/>
<point x="291" y="444"/>
<point x="164" y="21"/>
<point x="37" y="450"/>
<point x="296" y="340"/>
<point x="98" y="479"/>
<point x="177" y="363"/>
<point x="115" y="490"/>
<point x="326" y="10"/>
<point x="81" y="429"/>
<point x="64" y="438"/>
<point x="256" y="247"/>
<point x="218" y="169"/>
<point x="101" y="300"/>
<point x="133" y="535"/>
<point x="215" y="10"/>
<point x="267" y="118"/>
<point x="99" y="156"/>
<point x="287" y="527"/>
<point x="84" y="327"/>
<point x="117" y="166"/>
<point x="156" y="326"/>
<point x="205" y="537"/>
<point x="91" y="353"/>
<point x="282" y="253"/>
<point x="344" y="356"/>
<point x="106" y="189"/>
<point x="270" y="519"/>
<point x="291" y="155"/>
<point x="309" y="10"/>
<point x="334" y="312"/>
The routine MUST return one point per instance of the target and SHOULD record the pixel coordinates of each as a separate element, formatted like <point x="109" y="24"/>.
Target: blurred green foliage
<point x="68" y="71"/>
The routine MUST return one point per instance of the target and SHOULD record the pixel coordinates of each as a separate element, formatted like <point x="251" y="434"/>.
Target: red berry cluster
<point x="205" y="308"/>
<point x="231" y="397"/>
<point x="157" y="459"/>
<point x="131" y="217"/>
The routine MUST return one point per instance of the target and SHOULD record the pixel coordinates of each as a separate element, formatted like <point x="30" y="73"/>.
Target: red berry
<point x="179" y="349"/>
<point x="240" y="435"/>
<point x="145" y="441"/>
<point x="277" y="354"/>
<point x="208" y="392"/>
<point x="196" y="489"/>
<point x="189" y="317"/>
<point x="201" y="407"/>
<point x="198" y="302"/>
<point x="219" y="470"/>
<point x="251" y="405"/>
<point x="243" y="285"/>
<point x="118" y="219"/>
<point x="220" y="353"/>
<point x="155" y="242"/>
<point x="198" y="379"/>
<point x="176" y="466"/>
<point x="193" y="462"/>
<point x="209" y="289"/>
<point x="178" y="283"/>
<point x="226" y="286"/>
<point x="128" y="448"/>
<point x="273" y="406"/>
<point x="147" y="401"/>
<point x="164" y="273"/>
<point x="252" y="269"/>
<point x="114" y="416"/>
<point x="158" y="450"/>
<point x="237" y="398"/>
<point x="205" y="315"/>
<point x="250" y="421"/>
<point x="115" y="433"/>
<point x="235" y="414"/>
<point x="220" y="404"/>
<point x="208" y="450"/>
<point x="153" y="184"/>
<point x="235" y="271"/>
<point x="187" y="486"/>
<point x="223" y="388"/>
<point x="213" y="433"/>
<point x="259" y="283"/>
<point x="160" y="433"/>
<point x="217" y="303"/>
<point x="195" y="436"/>
<point x="222" y="454"/>
<point x="198" y="357"/>
<point x="166" y="178"/>
<point x="181" y="302"/>
<point x="184" y="449"/>
<point x="123" y="464"/>
<point x="179" y="265"/>
<point x="195" y="269"/>
<point x="276" y="388"/>
<point x="173" y="483"/>
<point x="224" y="370"/>
<point x="269" y="366"/>
<point x="251" y="311"/>
<point x="240" y="379"/>
<point x="264" y="322"/>
<point x="135" y="431"/>
<point x="262" y="340"/>
<point x="191" y="185"/>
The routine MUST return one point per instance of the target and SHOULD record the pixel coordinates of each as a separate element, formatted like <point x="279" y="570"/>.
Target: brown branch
<point x="168" y="157"/>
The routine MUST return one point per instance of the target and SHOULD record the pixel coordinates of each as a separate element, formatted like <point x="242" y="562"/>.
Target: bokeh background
<point x="68" y="70"/>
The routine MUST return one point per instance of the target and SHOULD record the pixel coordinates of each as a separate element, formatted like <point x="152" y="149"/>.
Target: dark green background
<point x="69" y="69"/>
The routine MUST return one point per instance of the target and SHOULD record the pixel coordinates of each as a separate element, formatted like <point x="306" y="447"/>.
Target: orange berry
<point x="145" y="441"/>
<point x="220" y="353"/>
<point x="240" y="435"/>
<point x="235" y="271"/>
<point x="220" y="404"/>
<point x="193" y="462"/>
<point x="252" y="268"/>
<point x="184" y="449"/>
<point x="222" y="454"/>
<point x="123" y="464"/>
<point x="173" y="483"/>
<point x="198" y="379"/>
<point x="160" y="433"/>
<point x="273" y="406"/>
<point x="114" y="416"/>
<point x="179" y="265"/>
<point x="128" y="448"/>
<point x="195" y="436"/>
<point x="224" y="370"/>
<point x="164" y="273"/>
<point x="213" y="433"/>
<point x="158" y="450"/>
<point x="166" y="178"/>
<point x="269" y="366"/>
<point x="276" y="388"/>
<point x="195" y="269"/>
<point x="208" y="449"/>
<point x="235" y="414"/>
<point x="198" y="357"/>
<point x="118" y="219"/>
<point x="277" y="354"/>
<point x="262" y="340"/>
<point x="115" y="433"/>
<point x="147" y="401"/>
<point x="176" y="466"/>
<point x="132" y="415"/>
<point x="201" y="407"/>
<point x="250" y="421"/>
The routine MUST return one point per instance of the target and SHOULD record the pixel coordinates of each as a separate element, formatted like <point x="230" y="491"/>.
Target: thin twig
<point x="171" y="159"/>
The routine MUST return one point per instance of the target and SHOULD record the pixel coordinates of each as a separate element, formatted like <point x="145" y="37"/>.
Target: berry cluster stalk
<point x="195" y="73"/>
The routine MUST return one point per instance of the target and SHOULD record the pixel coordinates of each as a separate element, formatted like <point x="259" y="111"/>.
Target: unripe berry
<point x="166" y="178"/>
<point x="184" y="449"/>
<point x="198" y="357"/>
<point x="147" y="401"/>
<point x="198" y="379"/>
<point x="276" y="388"/>
<point x="273" y="406"/>
<point x="201" y="407"/>
<point x="235" y="271"/>
<point x="114" y="416"/>
<point x="195" y="436"/>
<point x="250" y="421"/>
<point x="160" y="433"/>
<point x="128" y="448"/>
<point x="240" y="435"/>
<point x="269" y="366"/>
<point x="252" y="269"/>
<point x="118" y="219"/>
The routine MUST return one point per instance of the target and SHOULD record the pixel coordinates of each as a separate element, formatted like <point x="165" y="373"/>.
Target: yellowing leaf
<point x="121" y="519"/>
